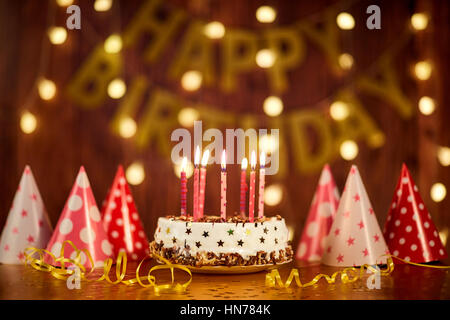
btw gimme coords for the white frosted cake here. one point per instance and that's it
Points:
(214, 242)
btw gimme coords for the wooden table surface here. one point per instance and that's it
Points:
(406, 282)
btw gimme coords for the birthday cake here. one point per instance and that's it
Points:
(212, 241)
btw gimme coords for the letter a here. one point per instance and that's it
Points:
(374, 20)
(74, 20)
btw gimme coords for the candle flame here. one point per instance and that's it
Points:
(253, 160)
(183, 164)
(244, 164)
(262, 159)
(205, 158)
(224, 160)
(197, 156)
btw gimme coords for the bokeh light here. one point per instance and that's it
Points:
(191, 80)
(135, 173)
(339, 110)
(419, 21)
(273, 106)
(46, 89)
(102, 5)
(64, 3)
(266, 14)
(423, 69)
(438, 192)
(187, 116)
(113, 44)
(214, 30)
(268, 143)
(273, 195)
(28, 122)
(349, 150)
(117, 88)
(57, 35)
(444, 156)
(127, 127)
(265, 58)
(345, 61)
(426, 105)
(345, 21)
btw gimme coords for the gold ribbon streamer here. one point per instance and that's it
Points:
(63, 273)
(421, 264)
(348, 275)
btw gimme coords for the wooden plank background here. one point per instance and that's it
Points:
(69, 136)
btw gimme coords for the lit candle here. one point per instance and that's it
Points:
(196, 182)
(201, 195)
(251, 199)
(183, 186)
(223, 187)
(262, 174)
(243, 186)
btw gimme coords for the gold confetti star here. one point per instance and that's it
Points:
(168, 230)
(248, 232)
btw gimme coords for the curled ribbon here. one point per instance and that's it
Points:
(121, 266)
(421, 264)
(348, 275)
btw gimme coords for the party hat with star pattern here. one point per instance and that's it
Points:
(409, 230)
(320, 217)
(355, 237)
(27, 224)
(121, 220)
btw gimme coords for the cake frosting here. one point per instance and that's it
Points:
(214, 242)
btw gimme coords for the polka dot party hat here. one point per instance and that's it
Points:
(80, 222)
(122, 222)
(320, 217)
(27, 223)
(409, 230)
(355, 237)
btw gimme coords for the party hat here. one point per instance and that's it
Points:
(355, 237)
(320, 217)
(409, 230)
(80, 223)
(121, 220)
(27, 224)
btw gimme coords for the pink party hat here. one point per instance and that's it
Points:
(355, 237)
(27, 224)
(320, 217)
(410, 232)
(122, 222)
(80, 222)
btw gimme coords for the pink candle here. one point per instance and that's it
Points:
(183, 186)
(251, 199)
(223, 187)
(196, 182)
(243, 186)
(262, 174)
(201, 195)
